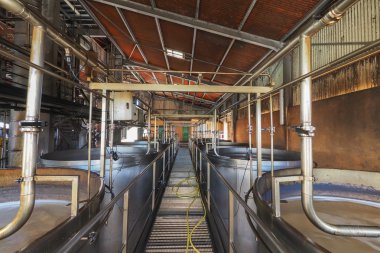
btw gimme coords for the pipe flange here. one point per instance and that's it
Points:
(331, 17)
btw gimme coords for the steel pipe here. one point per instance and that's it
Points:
(89, 145)
(111, 134)
(335, 14)
(258, 138)
(103, 136)
(307, 152)
(148, 132)
(31, 133)
(19, 9)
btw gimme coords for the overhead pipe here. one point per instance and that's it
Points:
(19, 9)
(306, 131)
(330, 18)
(30, 127)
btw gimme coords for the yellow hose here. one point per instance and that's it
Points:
(194, 194)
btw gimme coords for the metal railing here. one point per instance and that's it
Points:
(265, 234)
(167, 156)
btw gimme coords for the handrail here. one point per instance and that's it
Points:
(268, 238)
(69, 245)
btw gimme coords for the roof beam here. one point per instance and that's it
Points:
(179, 75)
(195, 23)
(178, 88)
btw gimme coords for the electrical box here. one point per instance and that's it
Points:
(124, 109)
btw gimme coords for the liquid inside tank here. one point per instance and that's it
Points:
(341, 197)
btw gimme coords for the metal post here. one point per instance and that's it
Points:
(156, 146)
(31, 134)
(164, 132)
(148, 132)
(112, 128)
(164, 167)
(103, 136)
(196, 158)
(231, 223)
(89, 145)
(200, 167)
(4, 151)
(124, 238)
(271, 135)
(258, 137)
(208, 187)
(154, 185)
(252, 176)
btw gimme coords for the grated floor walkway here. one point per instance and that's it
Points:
(169, 232)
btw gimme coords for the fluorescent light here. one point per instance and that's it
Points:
(175, 53)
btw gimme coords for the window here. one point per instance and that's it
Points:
(175, 53)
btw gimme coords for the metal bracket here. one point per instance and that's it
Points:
(305, 130)
(32, 125)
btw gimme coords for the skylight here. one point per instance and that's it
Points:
(175, 53)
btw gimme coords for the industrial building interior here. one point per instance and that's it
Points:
(189, 126)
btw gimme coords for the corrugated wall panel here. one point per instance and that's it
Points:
(360, 26)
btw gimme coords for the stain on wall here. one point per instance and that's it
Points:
(347, 131)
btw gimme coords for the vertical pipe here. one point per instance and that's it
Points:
(164, 132)
(89, 145)
(103, 136)
(124, 238)
(208, 186)
(164, 166)
(111, 131)
(282, 107)
(271, 135)
(4, 151)
(156, 146)
(31, 134)
(252, 176)
(258, 137)
(231, 223)
(148, 132)
(154, 185)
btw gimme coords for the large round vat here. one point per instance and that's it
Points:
(341, 197)
(50, 223)
(129, 155)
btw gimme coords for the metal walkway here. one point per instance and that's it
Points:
(170, 232)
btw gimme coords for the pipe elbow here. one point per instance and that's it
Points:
(23, 214)
(340, 230)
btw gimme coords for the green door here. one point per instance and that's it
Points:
(160, 132)
(185, 134)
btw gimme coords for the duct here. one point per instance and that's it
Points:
(306, 132)
(31, 127)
